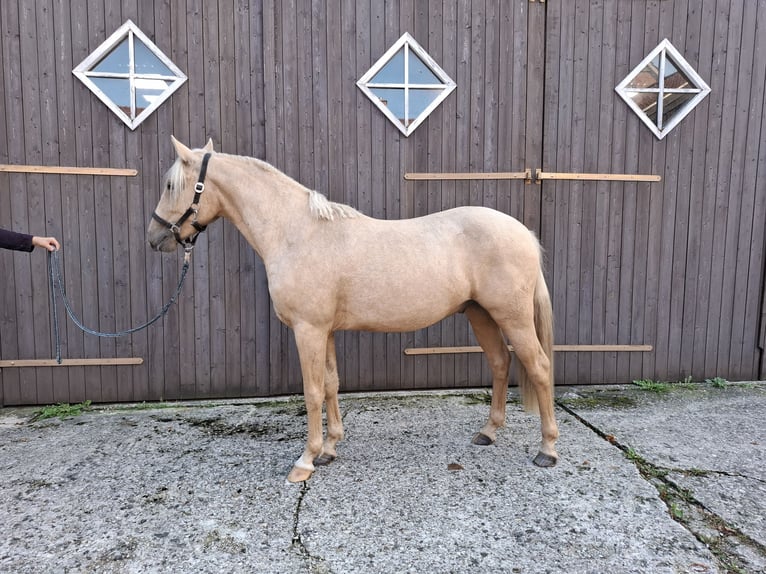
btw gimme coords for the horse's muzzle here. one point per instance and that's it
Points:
(160, 239)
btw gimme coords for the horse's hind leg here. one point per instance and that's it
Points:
(490, 338)
(529, 352)
(334, 421)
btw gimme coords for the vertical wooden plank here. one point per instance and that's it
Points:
(661, 216)
(591, 329)
(447, 19)
(692, 352)
(431, 193)
(230, 381)
(679, 154)
(262, 84)
(17, 152)
(90, 119)
(716, 38)
(610, 196)
(623, 208)
(690, 204)
(161, 345)
(67, 35)
(275, 151)
(739, 245)
(566, 280)
(754, 199)
(39, 322)
(415, 20)
(384, 31)
(550, 200)
(533, 103)
(638, 157)
(7, 295)
(459, 155)
(49, 112)
(214, 116)
(727, 203)
(100, 224)
(199, 131)
(113, 197)
(245, 36)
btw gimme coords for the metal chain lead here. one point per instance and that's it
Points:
(55, 277)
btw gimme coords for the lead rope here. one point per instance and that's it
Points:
(54, 272)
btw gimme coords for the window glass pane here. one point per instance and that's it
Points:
(392, 72)
(117, 90)
(148, 63)
(419, 72)
(673, 104)
(420, 100)
(675, 78)
(647, 102)
(115, 62)
(649, 77)
(393, 99)
(147, 91)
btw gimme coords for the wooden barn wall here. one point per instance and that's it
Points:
(677, 265)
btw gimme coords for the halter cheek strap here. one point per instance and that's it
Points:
(193, 209)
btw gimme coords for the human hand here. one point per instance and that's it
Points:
(49, 243)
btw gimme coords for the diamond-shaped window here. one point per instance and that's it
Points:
(130, 74)
(663, 89)
(406, 84)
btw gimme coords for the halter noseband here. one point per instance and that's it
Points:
(175, 228)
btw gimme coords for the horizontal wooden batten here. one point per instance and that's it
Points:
(469, 176)
(71, 362)
(64, 170)
(556, 348)
(540, 175)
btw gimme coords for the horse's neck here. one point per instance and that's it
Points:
(266, 206)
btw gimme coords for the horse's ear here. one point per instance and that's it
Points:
(183, 152)
(209, 146)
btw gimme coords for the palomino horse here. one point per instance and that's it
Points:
(331, 268)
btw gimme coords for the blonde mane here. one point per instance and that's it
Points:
(319, 206)
(323, 208)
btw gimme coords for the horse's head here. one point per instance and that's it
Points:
(182, 212)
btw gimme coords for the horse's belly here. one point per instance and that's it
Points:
(398, 310)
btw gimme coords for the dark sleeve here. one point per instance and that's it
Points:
(15, 241)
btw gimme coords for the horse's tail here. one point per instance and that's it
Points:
(544, 329)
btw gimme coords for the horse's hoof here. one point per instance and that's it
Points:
(324, 459)
(481, 439)
(545, 460)
(298, 474)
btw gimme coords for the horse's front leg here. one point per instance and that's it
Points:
(312, 349)
(334, 421)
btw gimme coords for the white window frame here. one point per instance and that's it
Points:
(408, 44)
(130, 31)
(700, 89)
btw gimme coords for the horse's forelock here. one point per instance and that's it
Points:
(174, 179)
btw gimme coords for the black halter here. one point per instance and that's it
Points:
(175, 228)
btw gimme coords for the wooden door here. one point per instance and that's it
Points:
(677, 265)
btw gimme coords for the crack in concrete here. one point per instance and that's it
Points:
(314, 564)
(684, 507)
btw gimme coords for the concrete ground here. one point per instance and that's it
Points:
(649, 481)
